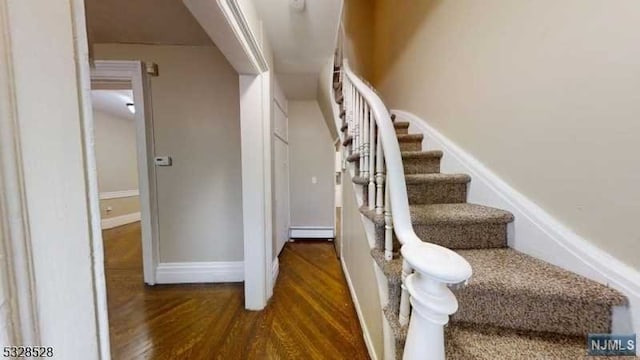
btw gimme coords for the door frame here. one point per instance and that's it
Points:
(134, 73)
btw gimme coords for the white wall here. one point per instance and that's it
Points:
(44, 82)
(311, 155)
(115, 142)
(545, 93)
(196, 122)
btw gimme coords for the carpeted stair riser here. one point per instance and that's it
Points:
(527, 312)
(468, 342)
(464, 236)
(427, 162)
(402, 127)
(378, 222)
(410, 142)
(437, 193)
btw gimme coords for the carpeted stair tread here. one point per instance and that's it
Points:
(360, 180)
(347, 141)
(512, 290)
(508, 270)
(413, 179)
(377, 219)
(468, 342)
(458, 214)
(392, 269)
(421, 154)
(353, 157)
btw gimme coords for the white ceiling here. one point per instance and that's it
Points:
(113, 102)
(165, 22)
(302, 42)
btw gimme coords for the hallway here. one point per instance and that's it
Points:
(311, 315)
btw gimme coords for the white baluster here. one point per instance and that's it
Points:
(360, 135)
(372, 161)
(365, 141)
(379, 176)
(405, 305)
(431, 299)
(388, 224)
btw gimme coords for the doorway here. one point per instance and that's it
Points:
(126, 172)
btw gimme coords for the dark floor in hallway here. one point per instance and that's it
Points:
(311, 315)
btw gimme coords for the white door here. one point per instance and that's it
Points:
(281, 193)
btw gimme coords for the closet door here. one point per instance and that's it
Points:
(281, 171)
(281, 193)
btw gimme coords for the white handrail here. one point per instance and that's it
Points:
(441, 263)
(435, 266)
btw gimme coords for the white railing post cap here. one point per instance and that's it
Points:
(437, 262)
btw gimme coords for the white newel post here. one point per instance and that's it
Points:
(431, 299)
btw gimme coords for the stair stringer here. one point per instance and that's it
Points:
(538, 233)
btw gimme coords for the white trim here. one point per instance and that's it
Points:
(241, 28)
(110, 223)
(119, 194)
(135, 72)
(538, 233)
(200, 272)
(311, 232)
(366, 335)
(275, 270)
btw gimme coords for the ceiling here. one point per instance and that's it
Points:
(302, 42)
(163, 22)
(113, 102)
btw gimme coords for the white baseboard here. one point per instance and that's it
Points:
(275, 270)
(538, 233)
(116, 221)
(311, 232)
(119, 194)
(356, 303)
(200, 272)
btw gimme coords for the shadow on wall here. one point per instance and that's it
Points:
(366, 28)
(387, 17)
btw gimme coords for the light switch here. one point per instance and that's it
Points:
(162, 160)
(314, 180)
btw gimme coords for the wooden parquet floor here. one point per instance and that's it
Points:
(311, 315)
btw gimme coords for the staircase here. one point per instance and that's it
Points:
(514, 306)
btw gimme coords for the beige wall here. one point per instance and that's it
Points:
(196, 122)
(545, 93)
(311, 154)
(115, 141)
(116, 158)
(358, 35)
(360, 267)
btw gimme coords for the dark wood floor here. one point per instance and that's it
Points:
(311, 315)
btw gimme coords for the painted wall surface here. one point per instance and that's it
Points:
(196, 122)
(115, 141)
(311, 155)
(116, 158)
(44, 81)
(360, 267)
(545, 93)
(358, 35)
(326, 98)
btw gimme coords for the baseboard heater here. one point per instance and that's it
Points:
(311, 232)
